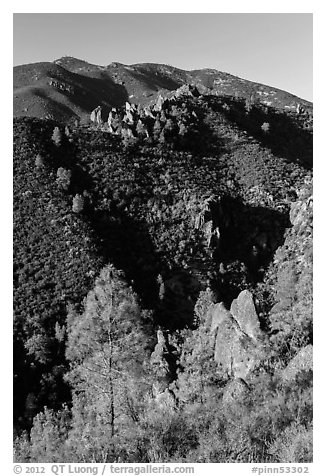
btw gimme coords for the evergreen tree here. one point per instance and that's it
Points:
(63, 178)
(56, 136)
(107, 348)
(47, 443)
(265, 127)
(157, 129)
(141, 129)
(39, 161)
(78, 203)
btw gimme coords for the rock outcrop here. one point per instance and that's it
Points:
(128, 118)
(62, 86)
(113, 121)
(146, 112)
(187, 90)
(238, 337)
(244, 312)
(235, 353)
(158, 106)
(130, 113)
(96, 115)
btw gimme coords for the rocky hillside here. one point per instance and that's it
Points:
(69, 87)
(163, 260)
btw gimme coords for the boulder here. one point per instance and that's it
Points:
(236, 391)
(244, 312)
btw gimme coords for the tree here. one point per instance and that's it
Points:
(141, 129)
(182, 129)
(47, 443)
(265, 127)
(39, 161)
(78, 203)
(56, 136)
(63, 178)
(157, 129)
(107, 347)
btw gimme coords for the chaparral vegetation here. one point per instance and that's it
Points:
(162, 268)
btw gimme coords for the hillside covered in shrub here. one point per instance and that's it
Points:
(163, 283)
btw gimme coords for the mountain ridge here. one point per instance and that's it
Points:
(68, 87)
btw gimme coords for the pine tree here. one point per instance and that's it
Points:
(78, 203)
(157, 129)
(47, 438)
(141, 129)
(107, 347)
(39, 161)
(265, 127)
(63, 178)
(56, 136)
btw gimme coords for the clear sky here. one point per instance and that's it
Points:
(270, 48)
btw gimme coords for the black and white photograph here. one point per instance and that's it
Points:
(162, 239)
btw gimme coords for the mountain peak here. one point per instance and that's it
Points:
(70, 87)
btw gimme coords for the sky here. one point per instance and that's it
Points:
(269, 48)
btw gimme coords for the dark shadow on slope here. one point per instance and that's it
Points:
(57, 109)
(83, 92)
(117, 238)
(120, 239)
(286, 137)
(155, 82)
(126, 244)
(179, 291)
(249, 237)
(89, 92)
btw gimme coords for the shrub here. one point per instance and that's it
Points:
(293, 445)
